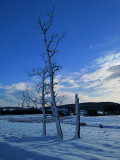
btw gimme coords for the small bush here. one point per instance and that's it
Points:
(83, 124)
(101, 126)
(91, 112)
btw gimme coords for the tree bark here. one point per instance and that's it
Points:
(53, 104)
(43, 107)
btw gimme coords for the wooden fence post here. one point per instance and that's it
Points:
(77, 134)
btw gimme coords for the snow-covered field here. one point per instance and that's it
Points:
(21, 139)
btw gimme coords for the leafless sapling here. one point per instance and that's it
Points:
(42, 73)
(24, 99)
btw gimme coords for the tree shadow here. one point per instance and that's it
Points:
(9, 152)
(31, 139)
(41, 139)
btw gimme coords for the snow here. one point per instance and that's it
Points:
(24, 141)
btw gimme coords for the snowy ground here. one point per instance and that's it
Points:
(21, 139)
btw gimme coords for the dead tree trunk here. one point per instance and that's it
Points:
(43, 105)
(51, 66)
(53, 103)
(77, 134)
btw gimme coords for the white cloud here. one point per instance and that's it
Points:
(101, 84)
(9, 94)
(6, 103)
(103, 64)
(95, 86)
(15, 87)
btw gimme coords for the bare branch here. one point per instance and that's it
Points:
(52, 39)
(51, 18)
(60, 100)
(40, 24)
(55, 49)
(47, 104)
(30, 98)
(55, 67)
(38, 72)
(45, 27)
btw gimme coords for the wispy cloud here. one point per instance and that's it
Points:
(18, 86)
(100, 84)
(4, 103)
(109, 42)
(9, 94)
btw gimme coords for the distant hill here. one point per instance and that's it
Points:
(99, 106)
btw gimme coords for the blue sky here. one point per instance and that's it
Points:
(89, 52)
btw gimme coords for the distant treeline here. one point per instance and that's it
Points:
(19, 111)
(31, 110)
(108, 108)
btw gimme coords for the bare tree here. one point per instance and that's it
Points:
(53, 67)
(42, 73)
(31, 97)
(24, 99)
